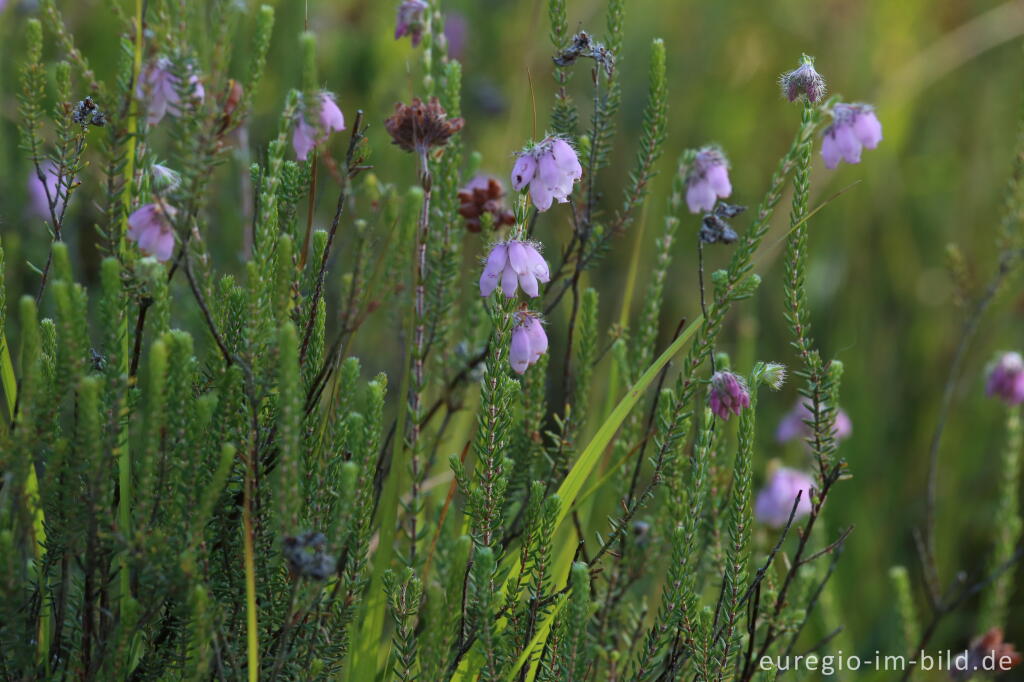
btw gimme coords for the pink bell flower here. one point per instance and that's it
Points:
(150, 228)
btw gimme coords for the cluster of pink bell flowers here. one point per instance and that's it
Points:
(549, 171)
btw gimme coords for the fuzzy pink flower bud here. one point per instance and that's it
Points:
(803, 81)
(729, 394)
(1006, 379)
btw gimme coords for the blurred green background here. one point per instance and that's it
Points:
(945, 76)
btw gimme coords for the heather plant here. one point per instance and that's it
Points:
(200, 480)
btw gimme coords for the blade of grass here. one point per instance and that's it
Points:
(584, 466)
(541, 638)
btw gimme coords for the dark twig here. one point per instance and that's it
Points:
(352, 168)
(140, 323)
(1007, 263)
(943, 609)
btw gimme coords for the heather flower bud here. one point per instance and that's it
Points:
(529, 341)
(775, 501)
(550, 169)
(306, 136)
(854, 126)
(803, 81)
(746, 287)
(707, 180)
(1006, 379)
(409, 21)
(772, 374)
(150, 228)
(482, 196)
(795, 424)
(164, 178)
(729, 395)
(514, 264)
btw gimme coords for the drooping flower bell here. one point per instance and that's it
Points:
(529, 341)
(514, 264)
(456, 32)
(409, 21)
(418, 126)
(150, 227)
(775, 500)
(550, 169)
(707, 180)
(794, 424)
(729, 395)
(483, 195)
(803, 81)
(162, 91)
(307, 135)
(41, 192)
(854, 126)
(1006, 379)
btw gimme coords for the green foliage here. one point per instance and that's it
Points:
(199, 479)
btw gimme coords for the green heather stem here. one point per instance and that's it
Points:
(738, 549)
(677, 609)
(734, 284)
(909, 622)
(418, 352)
(1007, 524)
(124, 457)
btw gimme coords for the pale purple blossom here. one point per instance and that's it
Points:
(456, 30)
(707, 180)
(729, 394)
(550, 168)
(160, 88)
(794, 424)
(149, 227)
(529, 341)
(514, 264)
(37, 191)
(1006, 379)
(410, 20)
(854, 126)
(775, 501)
(307, 135)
